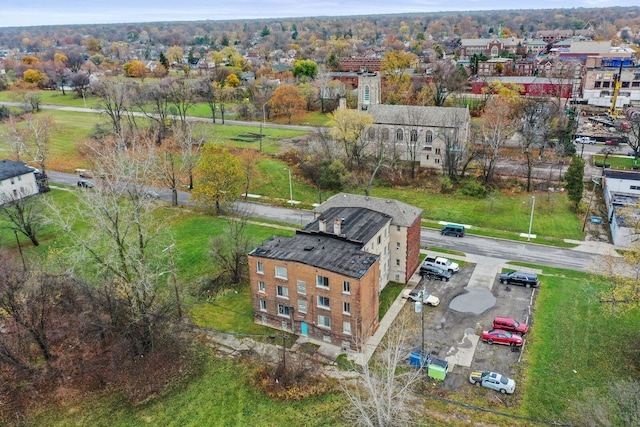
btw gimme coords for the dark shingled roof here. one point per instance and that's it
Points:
(10, 169)
(401, 213)
(618, 174)
(327, 253)
(413, 115)
(357, 224)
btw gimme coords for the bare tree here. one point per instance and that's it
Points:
(380, 394)
(30, 139)
(230, 248)
(154, 104)
(175, 160)
(27, 299)
(122, 246)
(414, 120)
(534, 127)
(497, 125)
(23, 214)
(448, 78)
(181, 94)
(378, 157)
(115, 99)
(206, 91)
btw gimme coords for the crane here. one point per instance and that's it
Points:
(613, 112)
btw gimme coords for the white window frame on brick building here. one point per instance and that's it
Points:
(302, 306)
(322, 281)
(346, 308)
(346, 287)
(324, 321)
(281, 272)
(282, 291)
(302, 287)
(323, 302)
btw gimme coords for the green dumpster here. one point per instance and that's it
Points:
(437, 368)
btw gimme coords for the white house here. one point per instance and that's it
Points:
(17, 181)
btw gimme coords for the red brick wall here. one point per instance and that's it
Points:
(363, 299)
(413, 248)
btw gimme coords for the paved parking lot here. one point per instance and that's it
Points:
(469, 302)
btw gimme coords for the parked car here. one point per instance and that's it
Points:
(452, 230)
(85, 183)
(520, 278)
(493, 381)
(417, 295)
(500, 336)
(151, 195)
(585, 140)
(509, 324)
(611, 142)
(432, 271)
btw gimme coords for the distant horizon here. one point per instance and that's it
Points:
(37, 13)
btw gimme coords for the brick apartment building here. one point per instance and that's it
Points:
(324, 282)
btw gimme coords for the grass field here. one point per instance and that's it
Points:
(510, 213)
(573, 346)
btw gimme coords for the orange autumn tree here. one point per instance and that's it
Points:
(286, 101)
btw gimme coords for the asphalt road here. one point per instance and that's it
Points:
(506, 250)
(190, 118)
(509, 250)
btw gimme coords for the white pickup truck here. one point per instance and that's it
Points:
(443, 263)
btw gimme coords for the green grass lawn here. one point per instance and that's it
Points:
(616, 161)
(512, 213)
(572, 346)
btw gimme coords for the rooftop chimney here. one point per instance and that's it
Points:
(337, 226)
(322, 225)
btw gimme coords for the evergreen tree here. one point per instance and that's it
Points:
(574, 176)
(164, 61)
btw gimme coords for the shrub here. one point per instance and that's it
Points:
(473, 188)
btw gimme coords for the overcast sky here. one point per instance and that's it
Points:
(15, 13)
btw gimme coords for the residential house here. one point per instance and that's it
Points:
(17, 181)
(324, 282)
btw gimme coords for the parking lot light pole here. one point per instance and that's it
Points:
(424, 288)
(290, 187)
(533, 204)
